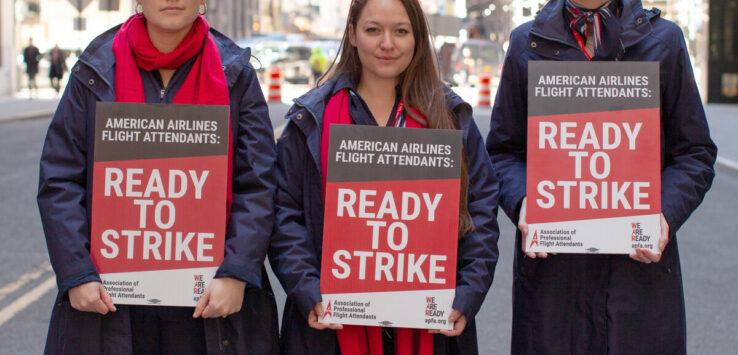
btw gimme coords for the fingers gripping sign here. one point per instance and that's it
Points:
(646, 256)
(91, 297)
(458, 320)
(223, 297)
(316, 314)
(523, 226)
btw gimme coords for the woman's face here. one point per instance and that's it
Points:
(170, 16)
(384, 40)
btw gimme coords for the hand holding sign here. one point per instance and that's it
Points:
(458, 320)
(390, 233)
(223, 297)
(317, 313)
(646, 256)
(523, 226)
(91, 297)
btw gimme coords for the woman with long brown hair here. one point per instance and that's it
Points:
(386, 75)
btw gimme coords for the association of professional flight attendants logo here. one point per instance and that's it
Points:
(327, 313)
(535, 239)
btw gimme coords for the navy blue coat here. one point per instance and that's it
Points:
(296, 248)
(64, 198)
(597, 304)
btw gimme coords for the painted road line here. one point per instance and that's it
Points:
(26, 300)
(24, 279)
(727, 163)
(278, 131)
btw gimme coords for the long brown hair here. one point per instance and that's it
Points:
(420, 85)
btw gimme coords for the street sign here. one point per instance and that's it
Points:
(159, 200)
(594, 181)
(391, 226)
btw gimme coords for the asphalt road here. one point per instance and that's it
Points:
(707, 243)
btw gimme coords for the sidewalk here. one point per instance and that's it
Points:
(20, 107)
(723, 120)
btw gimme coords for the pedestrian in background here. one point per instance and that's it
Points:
(57, 68)
(31, 57)
(603, 304)
(318, 63)
(165, 53)
(386, 64)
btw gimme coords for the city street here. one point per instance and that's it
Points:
(707, 244)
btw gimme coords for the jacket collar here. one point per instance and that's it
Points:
(315, 100)
(550, 23)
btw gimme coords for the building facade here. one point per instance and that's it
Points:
(235, 18)
(723, 52)
(70, 24)
(7, 49)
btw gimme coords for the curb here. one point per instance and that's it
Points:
(727, 164)
(28, 115)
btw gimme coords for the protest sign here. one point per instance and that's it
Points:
(391, 226)
(159, 200)
(593, 169)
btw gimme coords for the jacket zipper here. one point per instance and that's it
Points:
(161, 94)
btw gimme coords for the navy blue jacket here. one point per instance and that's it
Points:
(572, 304)
(296, 248)
(65, 191)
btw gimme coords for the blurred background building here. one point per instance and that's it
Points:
(7, 48)
(710, 29)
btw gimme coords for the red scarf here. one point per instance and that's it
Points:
(205, 83)
(354, 339)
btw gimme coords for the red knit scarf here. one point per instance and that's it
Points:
(361, 340)
(205, 83)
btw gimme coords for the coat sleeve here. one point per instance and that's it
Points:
(506, 141)
(292, 253)
(252, 209)
(688, 152)
(62, 189)
(478, 252)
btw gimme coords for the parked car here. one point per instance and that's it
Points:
(474, 57)
(264, 54)
(289, 55)
(295, 64)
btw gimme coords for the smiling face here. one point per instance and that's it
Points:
(170, 16)
(383, 37)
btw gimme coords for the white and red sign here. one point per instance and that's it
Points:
(159, 200)
(391, 226)
(593, 170)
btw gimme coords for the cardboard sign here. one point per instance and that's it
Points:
(391, 226)
(593, 171)
(159, 200)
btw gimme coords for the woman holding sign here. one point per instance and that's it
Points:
(386, 76)
(165, 53)
(600, 304)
